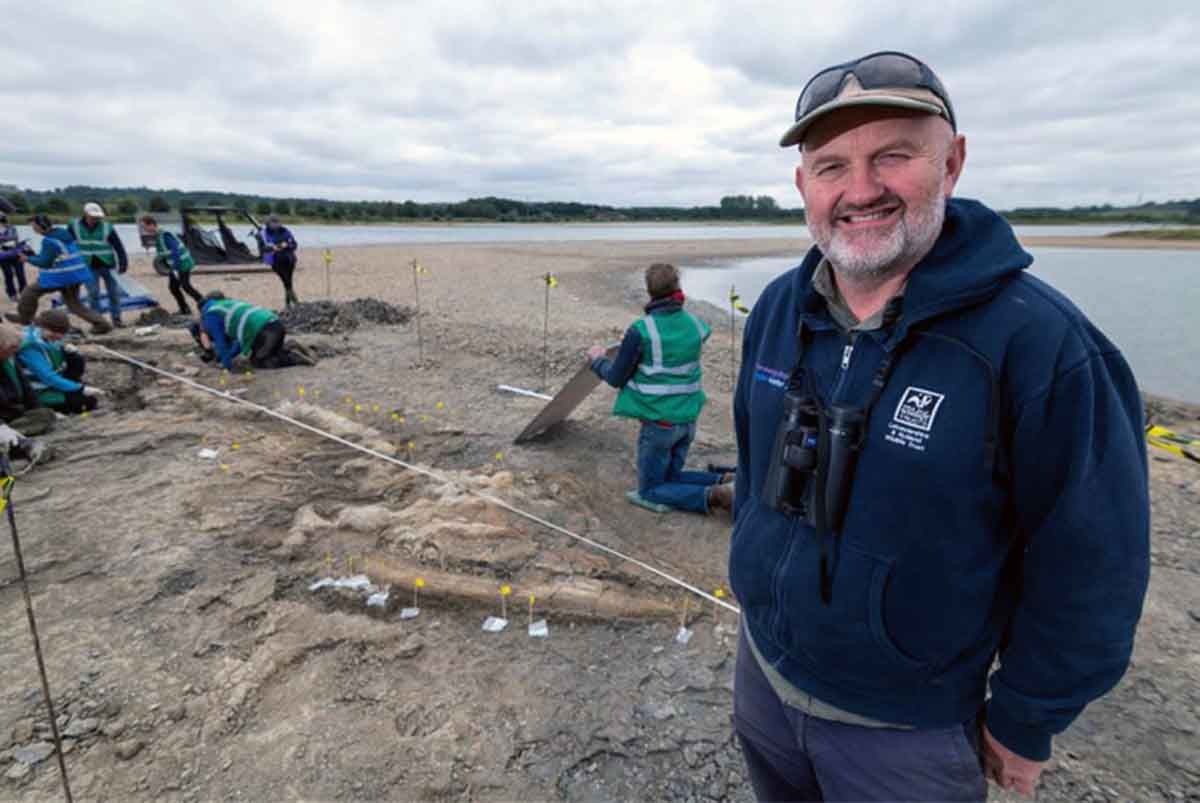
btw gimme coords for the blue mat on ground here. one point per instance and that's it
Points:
(133, 295)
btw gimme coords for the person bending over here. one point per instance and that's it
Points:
(279, 251)
(229, 328)
(61, 269)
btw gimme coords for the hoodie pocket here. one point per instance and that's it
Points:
(845, 642)
(879, 580)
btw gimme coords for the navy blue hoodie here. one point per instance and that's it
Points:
(1000, 503)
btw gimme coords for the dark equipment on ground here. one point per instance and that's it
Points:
(218, 251)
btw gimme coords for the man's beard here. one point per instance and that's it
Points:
(869, 258)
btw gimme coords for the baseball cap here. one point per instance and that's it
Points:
(55, 320)
(92, 209)
(887, 78)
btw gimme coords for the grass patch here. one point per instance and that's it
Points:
(1190, 233)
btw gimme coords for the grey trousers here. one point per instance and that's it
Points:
(793, 756)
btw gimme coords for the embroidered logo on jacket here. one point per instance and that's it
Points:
(914, 417)
(918, 407)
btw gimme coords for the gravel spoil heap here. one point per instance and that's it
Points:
(329, 317)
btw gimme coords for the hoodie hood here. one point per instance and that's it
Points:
(974, 256)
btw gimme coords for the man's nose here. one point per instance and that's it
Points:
(865, 186)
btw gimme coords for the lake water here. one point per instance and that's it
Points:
(318, 236)
(1147, 302)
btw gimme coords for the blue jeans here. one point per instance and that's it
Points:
(661, 453)
(110, 284)
(791, 755)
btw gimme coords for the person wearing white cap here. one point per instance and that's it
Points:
(103, 251)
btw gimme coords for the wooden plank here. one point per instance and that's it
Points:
(565, 401)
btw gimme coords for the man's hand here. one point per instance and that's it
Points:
(596, 352)
(1007, 769)
(93, 391)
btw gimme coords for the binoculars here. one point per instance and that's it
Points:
(815, 448)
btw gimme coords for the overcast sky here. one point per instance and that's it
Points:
(624, 103)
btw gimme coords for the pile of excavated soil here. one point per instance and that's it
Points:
(330, 317)
(160, 316)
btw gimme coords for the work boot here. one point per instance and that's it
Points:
(720, 498)
(302, 353)
(101, 328)
(14, 318)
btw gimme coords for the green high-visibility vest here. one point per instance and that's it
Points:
(186, 263)
(243, 321)
(94, 242)
(666, 385)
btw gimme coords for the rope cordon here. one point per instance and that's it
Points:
(493, 500)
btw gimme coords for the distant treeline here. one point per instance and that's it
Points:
(123, 203)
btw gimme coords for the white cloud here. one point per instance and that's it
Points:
(613, 102)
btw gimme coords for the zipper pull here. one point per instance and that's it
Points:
(846, 352)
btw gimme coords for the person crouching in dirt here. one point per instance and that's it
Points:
(229, 328)
(20, 409)
(179, 261)
(279, 251)
(61, 268)
(658, 373)
(56, 370)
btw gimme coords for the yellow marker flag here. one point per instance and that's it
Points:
(300, 390)
(420, 583)
(499, 456)
(327, 255)
(505, 590)
(551, 280)
(440, 406)
(235, 445)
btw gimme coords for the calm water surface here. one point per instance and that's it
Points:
(1147, 302)
(318, 236)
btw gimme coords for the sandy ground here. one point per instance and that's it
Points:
(192, 662)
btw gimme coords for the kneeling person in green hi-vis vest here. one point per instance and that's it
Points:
(657, 370)
(229, 328)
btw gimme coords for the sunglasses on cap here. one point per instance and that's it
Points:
(888, 69)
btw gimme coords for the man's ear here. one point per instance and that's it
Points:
(800, 178)
(956, 157)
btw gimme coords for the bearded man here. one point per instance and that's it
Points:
(954, 472)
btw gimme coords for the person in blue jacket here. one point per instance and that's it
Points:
(61, 268)
(279, 252)
(10, 259)
(940, 465)
(55, 371)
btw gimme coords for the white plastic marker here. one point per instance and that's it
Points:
(684, 635)
(425, 472)
(380, 598)
(494, 624)
(415, 610)
(538, 629)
